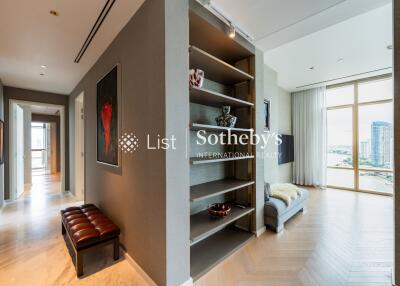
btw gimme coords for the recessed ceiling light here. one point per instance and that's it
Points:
(54, 13)
(43, 66)
(42, 74)
(390, 47)
(311, 68)
(340, 60)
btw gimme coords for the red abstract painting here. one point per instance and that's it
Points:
(107, 118)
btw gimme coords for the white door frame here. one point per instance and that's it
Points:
(15, 149)
(79, 146)
(62, 141)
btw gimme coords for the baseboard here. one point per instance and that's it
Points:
(141, 272)
(188, 282)
(260, 231)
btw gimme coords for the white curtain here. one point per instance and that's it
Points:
(309, 130)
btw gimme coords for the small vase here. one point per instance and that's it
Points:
(196, 78)
(226, 119)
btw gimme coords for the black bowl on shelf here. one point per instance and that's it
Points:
(219, 210)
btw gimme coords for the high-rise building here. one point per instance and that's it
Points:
(381, 136)
(364, 150)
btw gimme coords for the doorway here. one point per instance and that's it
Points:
(36, 149)
(79, 147)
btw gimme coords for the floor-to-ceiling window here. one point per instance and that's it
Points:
(360, 135)
(38, 144)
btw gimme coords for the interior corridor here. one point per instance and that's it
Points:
(32, 249)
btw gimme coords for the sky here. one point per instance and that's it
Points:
(340, 120)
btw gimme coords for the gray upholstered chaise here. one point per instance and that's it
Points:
(276, 212)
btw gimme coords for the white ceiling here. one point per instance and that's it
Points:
(360, 41)
(273, 23)
(296, 35)
(42, 108)
(31, 37)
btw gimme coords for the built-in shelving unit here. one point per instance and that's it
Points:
(215, 188)
(216, 99)
(209, 252)
(202, 225)
(207, 127)
(216, 69)
(229, 71)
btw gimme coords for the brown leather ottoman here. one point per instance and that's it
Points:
(88, 228)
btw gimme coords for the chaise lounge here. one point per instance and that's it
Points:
(277, 211)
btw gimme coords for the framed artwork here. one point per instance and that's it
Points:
(108, 119)
(1, 142)
(267, 115)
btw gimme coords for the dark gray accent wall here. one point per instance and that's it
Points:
(2, 165)
(148, 195)
(46, 118)
(39, 97)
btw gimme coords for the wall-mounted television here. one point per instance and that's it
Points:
(286, 149)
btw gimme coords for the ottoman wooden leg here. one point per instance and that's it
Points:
(116, 248)
(79, 264)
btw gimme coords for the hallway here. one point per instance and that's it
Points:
(33, 251)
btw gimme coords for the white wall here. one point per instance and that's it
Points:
(27, 144)
(281, 123)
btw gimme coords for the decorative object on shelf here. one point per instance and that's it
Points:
(267, 115)
(226, 119)
(1, 142)
(107, 119)
(196, 78)
(219, 210)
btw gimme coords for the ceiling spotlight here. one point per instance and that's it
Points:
(311, 68)
(54, 13)
(340, 60)
(43, 66)
(232, 31)
(42, 74)
(390, 47)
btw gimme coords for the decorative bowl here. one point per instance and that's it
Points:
(219, 210)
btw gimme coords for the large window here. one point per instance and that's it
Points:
(360, 135)
(38, 145)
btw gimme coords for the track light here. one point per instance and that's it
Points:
(232, 31)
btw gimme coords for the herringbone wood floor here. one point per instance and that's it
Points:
(344, 238)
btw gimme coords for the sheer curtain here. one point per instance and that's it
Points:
(309, 130)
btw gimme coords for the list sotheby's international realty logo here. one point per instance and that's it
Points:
(128, 142)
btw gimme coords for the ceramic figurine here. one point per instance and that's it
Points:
(226, 119)
(196, 78)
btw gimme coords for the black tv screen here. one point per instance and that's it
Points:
(286, 149)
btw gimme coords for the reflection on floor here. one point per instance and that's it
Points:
(345, 238)
(42, 185)
(33, 251)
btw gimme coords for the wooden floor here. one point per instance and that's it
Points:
(33, 251)
(344, 239)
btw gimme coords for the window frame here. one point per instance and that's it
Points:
(355, 140)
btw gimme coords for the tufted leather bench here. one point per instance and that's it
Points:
(88, 228)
